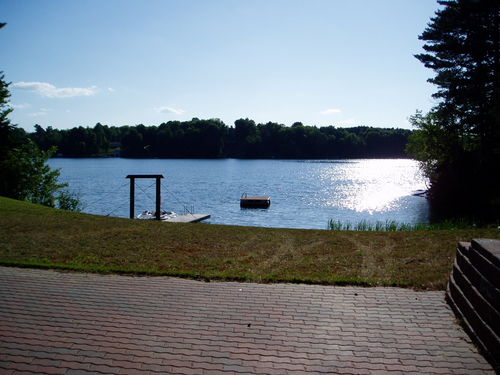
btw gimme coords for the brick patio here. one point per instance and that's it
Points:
(72, 323)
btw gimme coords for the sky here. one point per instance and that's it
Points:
(128, 62)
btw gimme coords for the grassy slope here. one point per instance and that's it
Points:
(39, 236)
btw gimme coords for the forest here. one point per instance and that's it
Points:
(212, 138)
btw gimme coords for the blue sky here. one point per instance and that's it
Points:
(332, 62)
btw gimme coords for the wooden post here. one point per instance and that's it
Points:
(158, 192)
(158, 198)
(132, 197)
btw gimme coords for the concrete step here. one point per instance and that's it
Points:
(478, 330)
(485, 262)
(486, 311)
(483, 285)
(474, 294)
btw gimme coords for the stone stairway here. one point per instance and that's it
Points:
(474, 294)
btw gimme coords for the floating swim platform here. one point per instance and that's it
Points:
(254, 202)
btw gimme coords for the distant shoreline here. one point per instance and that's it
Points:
(200, 139)
(319, 160)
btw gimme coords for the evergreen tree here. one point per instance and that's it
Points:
(23, 169)
(5, 127)
(458, 143)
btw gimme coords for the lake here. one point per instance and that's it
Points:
(304, 193)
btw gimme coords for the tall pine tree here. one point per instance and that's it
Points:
(459, 141)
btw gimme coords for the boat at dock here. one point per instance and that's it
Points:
(254, 202)
(151, 215)
(172, 217)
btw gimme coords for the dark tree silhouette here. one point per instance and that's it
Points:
(25, 174)
(458, 142)
(213, 139)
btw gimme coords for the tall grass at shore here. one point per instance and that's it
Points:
(395, 226)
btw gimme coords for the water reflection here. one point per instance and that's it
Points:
(371, 185)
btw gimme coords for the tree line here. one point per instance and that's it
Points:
(211, 138)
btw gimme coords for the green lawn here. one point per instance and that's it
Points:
(32, 235)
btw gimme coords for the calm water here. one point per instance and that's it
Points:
(304, 194)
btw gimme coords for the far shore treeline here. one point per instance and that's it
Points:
(213, 139)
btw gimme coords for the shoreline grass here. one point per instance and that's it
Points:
(395, 226)
(37, 236)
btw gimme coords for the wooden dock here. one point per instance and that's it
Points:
(159, 214)
(189, 218)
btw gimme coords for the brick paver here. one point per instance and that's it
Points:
(76, 324)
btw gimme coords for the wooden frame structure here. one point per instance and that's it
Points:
(158, 177)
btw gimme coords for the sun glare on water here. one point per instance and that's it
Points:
(372, 186)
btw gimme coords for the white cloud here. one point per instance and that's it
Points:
(110, 89)
(20, 106)
(171, 110)
(50, 91)
(330, 111)
(37, 114)
(41, 112)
